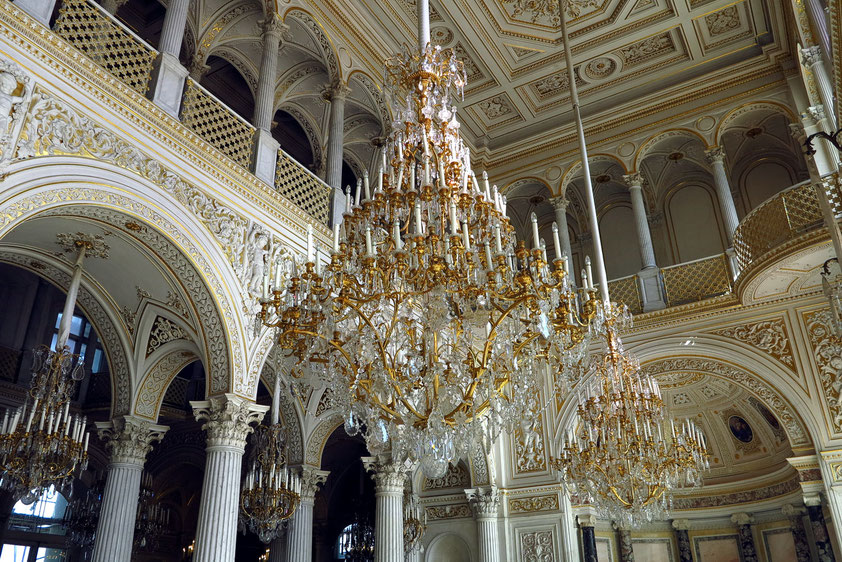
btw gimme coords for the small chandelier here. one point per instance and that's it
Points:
(271, 491)
(82, 516)
(623, 457)
(413, 526)
(432, 326)
(361, 542)
(152, 517)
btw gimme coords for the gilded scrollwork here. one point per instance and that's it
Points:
(537, 546)
(533, 504)
(769, 336)
(826, 351)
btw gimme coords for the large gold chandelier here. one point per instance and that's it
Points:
(433, 327)
(624, 456)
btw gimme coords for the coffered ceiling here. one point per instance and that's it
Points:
(624, 51)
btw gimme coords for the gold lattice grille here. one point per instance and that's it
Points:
(626, 291)
(302, 188)
(106, 42)
(779, 219)
(218, 125)
(696, 280)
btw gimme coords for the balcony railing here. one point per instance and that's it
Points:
(213, 121)
(627, 291)
(302, 187)
(107, 42)
(783, 217)
(696, 280)
(116, 48)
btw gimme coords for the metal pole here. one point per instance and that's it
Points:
(423, 24)
(599, 260)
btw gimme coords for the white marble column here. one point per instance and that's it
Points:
(812, 58)
(644, 237)
(228, 420)
(300, 534)
(560, 206)
(278, 548)
(569, 532)
(265, 146)
(716, 158)
(336, 94)
(389, 480)
(129, 439)
(485, 503)
(168, 75)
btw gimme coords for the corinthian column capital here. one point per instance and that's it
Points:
(634, 179)
(715, 154)
(311, 479)
(129, 438)
(485, 501)
(228, 419)
(560, 203)
(811, 55)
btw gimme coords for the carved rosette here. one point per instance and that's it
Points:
(130, 439)
(228, 419)
(485, 501)
(311, 479)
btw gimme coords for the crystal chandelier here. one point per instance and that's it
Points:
(271, 491)
(434, 329)
(82, 516)
(361, 542)
(41, 443)
(152, 517)
(623, 457)
(413, 526)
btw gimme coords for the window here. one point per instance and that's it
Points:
(343, 543)
(14, 553)
(80, 333)
(43, 516)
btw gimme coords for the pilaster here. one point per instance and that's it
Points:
(682, 539)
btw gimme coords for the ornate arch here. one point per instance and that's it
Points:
(115, 343)
(650, 143)
(153, 386)
(374, 91)
(240, 62)
(317, 440)
(83, 187)
(322, 38)
(312, 130)
(512, 186)
(576, 168)
(731, 116)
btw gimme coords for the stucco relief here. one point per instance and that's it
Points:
(537, 546)
(530, 452)
(154, 384)
(14, 89)
(769, 336)
(164, 331)
(826, 351)
(455, 477)
(533, 504)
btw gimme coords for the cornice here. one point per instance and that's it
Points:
(53, 52)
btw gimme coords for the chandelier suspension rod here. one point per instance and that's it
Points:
(70, 301)
(599, 261)
(276, 399)
(423, 24)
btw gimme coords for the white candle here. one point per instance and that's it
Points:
(585, 278)
(359, 191)
(475, 182)
(266, 285)
(498, 246)
(556, 242)
(535, 238)
(442, 182)
(565, 265)
(396, 235)
(411, 186)
(543, 250)
(400, 178)
(278, 277)
(503, 204)
(365, 184)
(369, 249)
(417, 218)
(87, 436)
(495, 197)
(309, 242)
(348, 200)
(318, 261)
(454, 224)
(466, 237)
(426, 168)
(335, 239)
(379, 187)
(485, 187)
(590, 273)
(488, 256)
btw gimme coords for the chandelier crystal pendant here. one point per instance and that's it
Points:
(82, 516)
(621, 456)
(152, 517)
(271, 491)
(434, 329)
(624, 455)
(42, 444)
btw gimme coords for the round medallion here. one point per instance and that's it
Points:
(600, 68)
(740, 429)
(626, 149)
(553, 173)
(705, 123)
(441, 36)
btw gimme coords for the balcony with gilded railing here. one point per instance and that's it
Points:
(118, 50)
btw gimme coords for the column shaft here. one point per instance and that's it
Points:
(812, 58)
(560, 206)
(115, 529)
(644, 237)
(817, 522)
(716, 157)
(278, 549)
(685, 552)
(626, 552)
(588, 544)
(173, 31)
(300, 534)
(335, 138)
(264, 103)
(485, 503)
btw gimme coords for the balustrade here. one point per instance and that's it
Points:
(302, 187)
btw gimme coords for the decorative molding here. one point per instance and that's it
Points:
(826, 352)
(450, 511)
(769, 336)
(537, 546)
(455, 477)
(154, 385)
(164, 331)
(533, 504)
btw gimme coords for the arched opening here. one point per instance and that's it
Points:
(224, 81)
(293, 139)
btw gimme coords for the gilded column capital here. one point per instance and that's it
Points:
(311, 479)
(389, 477)
(228, 419)
(634, 180)
(715, 155)
(560, 203)
(130, 438)
(485, 501)
(681, 524)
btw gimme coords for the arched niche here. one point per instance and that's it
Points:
(449, 547)
(694, 223)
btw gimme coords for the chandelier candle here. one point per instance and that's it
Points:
(431, 342)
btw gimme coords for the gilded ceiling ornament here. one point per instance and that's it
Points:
(164, 331)
(723, 21)
(769, 336)
(533, 504)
